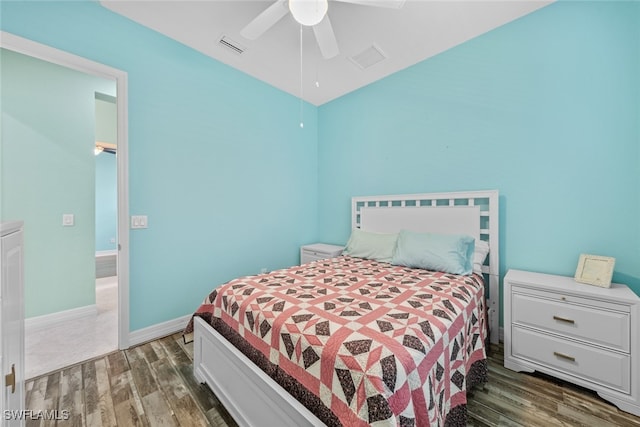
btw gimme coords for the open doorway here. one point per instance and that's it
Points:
(56, 223)
(106, 214)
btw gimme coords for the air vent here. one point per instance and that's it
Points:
(232, 45)
(368, 57)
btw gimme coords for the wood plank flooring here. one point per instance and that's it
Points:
(152, 385)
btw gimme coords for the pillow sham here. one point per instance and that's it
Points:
(450, 253)
(369, 245)
(479, 255)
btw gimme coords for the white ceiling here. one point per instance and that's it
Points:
(417, 31)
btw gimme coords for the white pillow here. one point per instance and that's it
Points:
(479, 255)
(369, 245)
(450, 253)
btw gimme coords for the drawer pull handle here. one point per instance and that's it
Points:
(564, 356)
(562, 319)
(10, 379)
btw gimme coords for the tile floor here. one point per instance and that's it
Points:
(67, 343)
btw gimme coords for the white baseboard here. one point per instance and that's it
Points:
(36, 323)
(159, 330)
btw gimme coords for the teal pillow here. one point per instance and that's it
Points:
(450, 253)
(369, 245)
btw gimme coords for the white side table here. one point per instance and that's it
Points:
(583, 334)
(318, 251)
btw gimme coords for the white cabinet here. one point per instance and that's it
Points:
(580, 333)
(12, 323)
(318, 251)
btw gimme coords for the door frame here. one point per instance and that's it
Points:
(56, 56)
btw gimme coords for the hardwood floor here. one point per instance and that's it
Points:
(519, 399)
(148, 385)
(152, 385)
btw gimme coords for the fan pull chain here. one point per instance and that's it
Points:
(301, 102)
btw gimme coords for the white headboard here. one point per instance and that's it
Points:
(444, 219)
(474, 213)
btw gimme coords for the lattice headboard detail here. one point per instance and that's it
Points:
(473, 212)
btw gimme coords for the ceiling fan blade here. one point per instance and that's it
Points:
(391, 4)
(326, 38)
(265, 20)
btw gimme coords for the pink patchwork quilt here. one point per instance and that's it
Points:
(360, 342)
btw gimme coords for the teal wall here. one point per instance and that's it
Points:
(217, 159)
(106, 176)
(48, 170)
(106, 202)
(106, 118)
(545, 109)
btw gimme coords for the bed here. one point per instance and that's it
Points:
(358, 340)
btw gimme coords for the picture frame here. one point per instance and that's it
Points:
(595, 270)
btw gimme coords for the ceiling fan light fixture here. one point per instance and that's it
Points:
(308, 12)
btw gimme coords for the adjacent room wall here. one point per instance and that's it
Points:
(106, 176)
(545, 109)
(217, 159)
(48, 169)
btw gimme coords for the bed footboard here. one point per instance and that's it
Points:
(251, 396)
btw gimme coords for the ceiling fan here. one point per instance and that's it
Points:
(311, 13)
(104, 147)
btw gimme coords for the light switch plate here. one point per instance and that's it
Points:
(139, 221)
(68, 220)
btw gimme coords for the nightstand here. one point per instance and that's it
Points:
(580, 333)
(318, 251)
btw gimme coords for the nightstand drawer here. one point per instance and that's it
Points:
(593, 364)
(308, 256)
(597, 326)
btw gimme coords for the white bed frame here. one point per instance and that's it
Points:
(252, 397)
